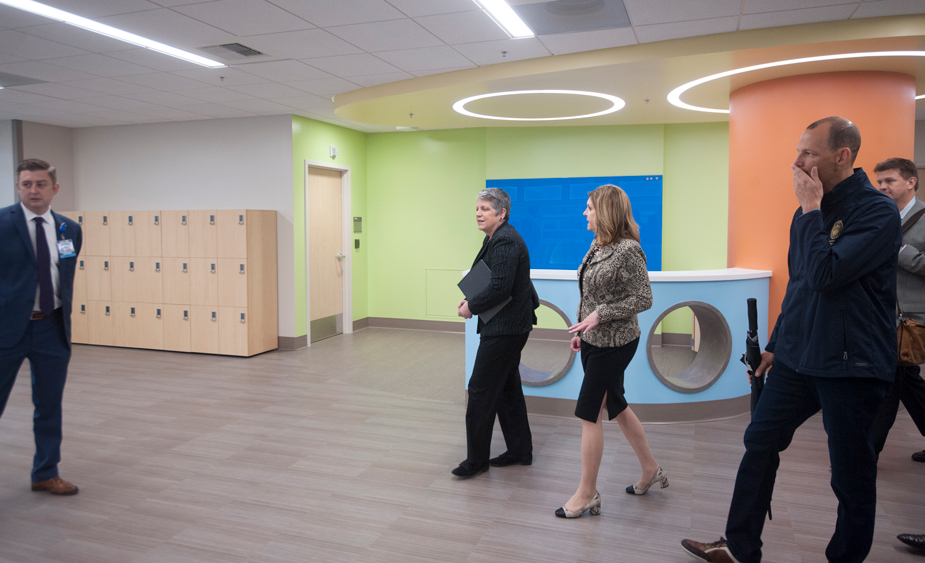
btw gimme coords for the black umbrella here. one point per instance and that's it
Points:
(752, 356)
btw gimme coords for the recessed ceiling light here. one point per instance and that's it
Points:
(109, 31)
(674, 97)
(505, 17)
(460, 106)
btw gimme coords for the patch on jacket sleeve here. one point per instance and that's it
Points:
(837, 228)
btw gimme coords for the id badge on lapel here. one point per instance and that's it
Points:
(65, 246)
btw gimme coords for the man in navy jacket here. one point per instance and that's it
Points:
(38, 252)
(833, 347)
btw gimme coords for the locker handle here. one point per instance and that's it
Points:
(211, 219)
(213, 317)
(83, 309)
(213, 268)
(182, 219)
(81, 264)
(106, 264)
(185, 315)
(80, 219)
(105, 220)
(130, 221)
(184, 267)
(131, 266)
(157, 220)
(242, 317)
(133, 311)
(241, 271)
(157, 266)
(240, 219)
(107, 309)
(158, 313)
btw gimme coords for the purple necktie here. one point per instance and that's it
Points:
(43, 263)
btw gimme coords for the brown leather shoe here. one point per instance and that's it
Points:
(56, 486)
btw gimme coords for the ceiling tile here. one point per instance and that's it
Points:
(15, 96)
(216, 110)
(386, 36)
(116, 102)
(429, 58)
(326, 88)
(99, 8)
(13, 18)
(267, 90)
(302, 44)
(216, 94)
(57, 90)
(169, 99)
(121, 115)
(564, 43)
(171, 28)
(437, 71)
(665, 31)
(4, 59)
(245, 17)
(760, 6)
(220, 76)
(77, 37)
(352, 65)
(99, 65)
(325, 13)
(171, 114)
(163, 81)
(465, 27)
(69, 105)
(109, 86)
(283, 71)
(44, 71)
(889, 8)
(153, 60)
(174, 3)
(417, 8)
(307, 102)
(30, 47)
(259, 106)
(647, 12)
(376, 79)
(795, 17)
(492, 52)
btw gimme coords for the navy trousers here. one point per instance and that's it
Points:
(45, 345)
(495, 388)
(849, 406)
(909, 388)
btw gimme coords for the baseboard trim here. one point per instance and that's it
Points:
(654, 413)
(289, 343)
(412, 324)
(361, 324)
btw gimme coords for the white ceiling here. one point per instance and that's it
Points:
(316, 49)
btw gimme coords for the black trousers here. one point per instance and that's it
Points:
(495, 389)
(909, 388)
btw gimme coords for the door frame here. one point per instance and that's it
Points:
(346, 236)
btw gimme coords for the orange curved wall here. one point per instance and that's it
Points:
(766, 121)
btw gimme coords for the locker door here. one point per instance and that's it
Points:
(175, 234)
(125, 278)
(177, 324)
(122, 233)
(203, 281)
(150, 279)
(176, 273)
(203, 234)
(232, 233)
(80, 280)
(99, 323)
(99, 279)
(232, 331)
(148, 228)
(79, 322)
(96, 226)
(204, 329)
(124, 326)
(232, 282)
(150, 319)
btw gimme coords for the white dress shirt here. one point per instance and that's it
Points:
(52, 238)
(905, 210)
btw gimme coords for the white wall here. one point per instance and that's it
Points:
(55, 146)
(215, 164)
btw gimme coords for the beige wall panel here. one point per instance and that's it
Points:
(204, 329)
(203, 281)
(148, 229)
(125, 278)
(325, 243)
(150, 284)
(175, 234)
(80, 280)
(232, 282)
(176, 273)
(99, 323)
(232, 233)
(232, 331)
(122, 233)
(177, 323)
(99, 278)
(203, 234)
(79, 322)
(96, 226)
(263, 308)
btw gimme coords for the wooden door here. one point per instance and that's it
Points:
(232, 233)
(122, 233)
(150, 284)
(176, 283)
(232, 282)
(326, 274)
(175, 234)
(124, 327)
(125, 275)
(99, 323)
(203, 281)
(79, 322)
(177, 328)
(96, 226)
(150, 320)
(204, 329)
(232, 331)
(148, 229)
(99, 279)
(203, 235)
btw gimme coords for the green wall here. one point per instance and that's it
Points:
(310, 141)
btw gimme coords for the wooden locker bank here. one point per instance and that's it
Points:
(187, 281)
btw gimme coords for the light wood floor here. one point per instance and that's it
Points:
(342, 452)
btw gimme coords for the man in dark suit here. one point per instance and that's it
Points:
(38, 252)
(898, 178)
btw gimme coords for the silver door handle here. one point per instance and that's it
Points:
(341, 256)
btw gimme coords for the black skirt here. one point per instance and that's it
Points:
(604, 369)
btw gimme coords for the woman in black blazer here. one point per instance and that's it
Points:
(495, 387)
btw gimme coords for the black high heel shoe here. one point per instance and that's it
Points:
(660, 475)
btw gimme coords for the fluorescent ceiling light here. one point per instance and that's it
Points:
(618, 104)
(505, 17)
(674, 97)
(109, 31)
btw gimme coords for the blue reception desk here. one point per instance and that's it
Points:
(720, 293)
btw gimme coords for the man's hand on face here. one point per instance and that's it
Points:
(808, 188)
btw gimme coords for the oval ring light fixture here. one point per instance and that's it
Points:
(618, 104)
(674, 97)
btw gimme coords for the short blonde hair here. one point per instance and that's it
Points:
(613, 215)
